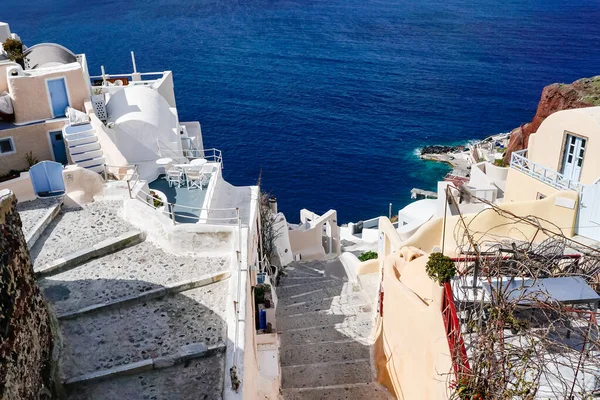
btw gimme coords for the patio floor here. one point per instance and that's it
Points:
(182, 197)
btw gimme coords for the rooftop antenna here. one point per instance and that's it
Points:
(103, 75)
(133, 62)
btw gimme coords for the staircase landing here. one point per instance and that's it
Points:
(325, 325)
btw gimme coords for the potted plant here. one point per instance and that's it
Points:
(158, 200)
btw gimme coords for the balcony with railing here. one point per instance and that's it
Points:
(520, 162)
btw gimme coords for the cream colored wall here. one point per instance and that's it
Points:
(411, 350)
(112, 154)
(21, 187)
(546, 145)
(522, 187)
(30, 94)
(81, 185)
(32, 138)
(490, 225)
(4, 77)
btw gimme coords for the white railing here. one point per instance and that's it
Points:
(131, 77)
(520, 162)
(229, 216)
(211, 155)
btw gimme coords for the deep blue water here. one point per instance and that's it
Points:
(330, 98)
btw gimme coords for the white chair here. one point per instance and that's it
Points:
(174, 176)
(194, 178)
(206, 172)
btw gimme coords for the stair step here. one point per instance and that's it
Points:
(80, 135)
(97, 168)
(323, 318)
(311, 292)
(80, 141)
(327, 333)
(311, 375)
(88, 155)
(83, 148)
(358, 391)
(291, 289)
(323, 352)
(334, 304)
(108, 246)
(310, 269)
(91, 163)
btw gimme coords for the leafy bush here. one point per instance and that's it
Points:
(368, 255)
(440, 268)
(14, 50)
(500, 163)
(31, 160)
(259, 293)
(156, 200)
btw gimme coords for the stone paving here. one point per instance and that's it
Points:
(75, 229)
(32, 212)
(132, 270)
(137, 332)
(325, 328)
(200, 379)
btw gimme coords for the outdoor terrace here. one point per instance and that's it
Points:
(520, 162)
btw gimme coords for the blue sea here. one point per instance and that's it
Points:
(331, 98)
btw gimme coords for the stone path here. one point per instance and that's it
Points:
(31, 212)
(118, 342)
(325, 325)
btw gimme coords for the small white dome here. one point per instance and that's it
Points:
(142, 121)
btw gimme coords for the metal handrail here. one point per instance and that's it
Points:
(173, 214)
(120, 75)
(520, 162)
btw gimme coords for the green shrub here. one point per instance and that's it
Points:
(14, 50)
(440, 268)
(500, 163)
(156, 200)
(368, 255)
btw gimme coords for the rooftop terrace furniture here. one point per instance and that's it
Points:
(174, 175)
(194, 178)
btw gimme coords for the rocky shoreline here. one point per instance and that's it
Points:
(460, 158)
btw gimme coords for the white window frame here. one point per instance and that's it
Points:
(54, 78)
(12, 141)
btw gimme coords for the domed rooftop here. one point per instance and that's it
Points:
(142, 121)
(48, 55)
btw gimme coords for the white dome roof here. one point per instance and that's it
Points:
(142, 119)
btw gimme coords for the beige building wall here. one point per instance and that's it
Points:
(411, 350)
(546, 146)
(30, 93)
(557, 213)
(4, 77)
(27, 138)
(522, 187)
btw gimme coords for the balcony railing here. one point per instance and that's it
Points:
(519, 161)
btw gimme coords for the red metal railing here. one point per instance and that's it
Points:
(458, 352)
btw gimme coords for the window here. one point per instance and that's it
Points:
(7, 146)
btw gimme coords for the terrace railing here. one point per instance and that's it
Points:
(213, 216)
(460, 361)
(520, 162)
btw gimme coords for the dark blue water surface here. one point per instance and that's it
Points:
(330, 98)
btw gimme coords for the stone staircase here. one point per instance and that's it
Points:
(325, 325)
(84, 148)
(136, 322)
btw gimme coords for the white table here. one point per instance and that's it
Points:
(164, 161)
(198, 162)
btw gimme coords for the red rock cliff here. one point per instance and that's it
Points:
(558, 96)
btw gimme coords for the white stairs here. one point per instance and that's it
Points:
(83, 147)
